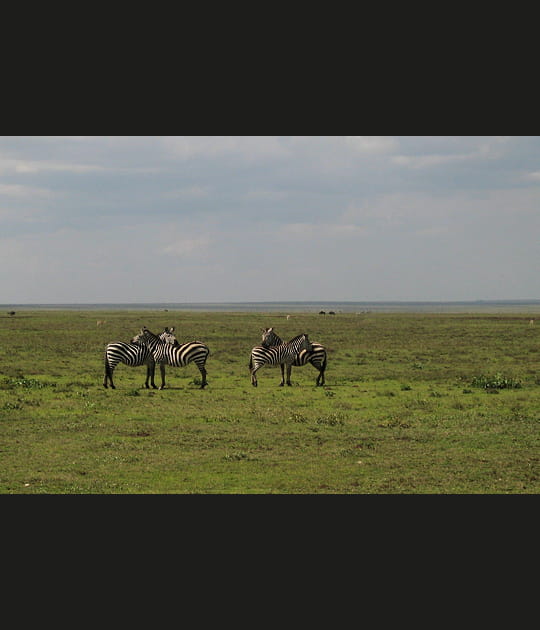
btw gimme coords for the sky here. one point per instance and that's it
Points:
(131, 219)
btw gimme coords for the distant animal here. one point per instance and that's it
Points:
(132, 354)
(171, 352)
(11, 313)
(100, 322)
(317, 356)
(322, 313)
(288, 317)
(531, 322)
(331, 313)
(284, 353)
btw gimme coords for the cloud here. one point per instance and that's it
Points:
(372, 144)
(188, 192)
(188, 247)
(320, 231)
(296, 217)
(21, 167)
(19, 191)
(423, 155)
(246, 147)
(532, 177)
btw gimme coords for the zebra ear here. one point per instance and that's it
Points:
(171, 329)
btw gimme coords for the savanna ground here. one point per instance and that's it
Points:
(413, 403)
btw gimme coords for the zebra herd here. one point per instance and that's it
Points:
(146, 348)
(149, 349)
(298, 351)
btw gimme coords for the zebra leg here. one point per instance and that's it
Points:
(202, 370)
(321, 373)
(289, 368)
(150, 371)
(108, 375)
(162, 371)
(321, 369)
(282, 366)
(253, 372)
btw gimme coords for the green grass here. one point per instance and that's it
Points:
(413, 403)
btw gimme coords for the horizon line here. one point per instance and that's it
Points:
(476, 301)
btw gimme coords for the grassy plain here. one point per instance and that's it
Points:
(403, 409)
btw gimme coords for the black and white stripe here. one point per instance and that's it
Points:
(168, 351)
(132, 354)
(282, 354)
(316, 356)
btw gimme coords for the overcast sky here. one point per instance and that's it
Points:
(223, 219)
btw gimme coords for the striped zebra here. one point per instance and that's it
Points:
(169, 352)
(316, 356)
(132, 354)
(282, 354)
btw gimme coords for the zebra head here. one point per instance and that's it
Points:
(306, 343)
(146, 335)
(269, 338)
(301, 342)
(168, 337)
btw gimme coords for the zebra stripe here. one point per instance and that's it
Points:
(282, 354)
(132, 354)
(316, 356)
(167, 351)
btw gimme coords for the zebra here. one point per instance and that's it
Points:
(282, 354)
(168, 351)
(317, 356)
(132, 354)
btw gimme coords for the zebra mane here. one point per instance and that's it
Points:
(297, 337)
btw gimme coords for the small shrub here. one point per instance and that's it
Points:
(393, 422)
(331, 420)
(497, 381)
(27, 383)
(236, 456)
(297, 417)
(12, 405)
